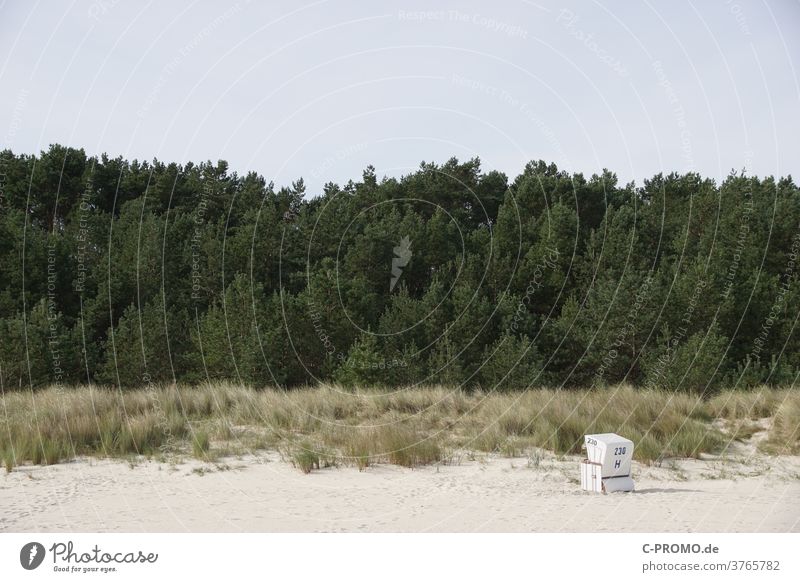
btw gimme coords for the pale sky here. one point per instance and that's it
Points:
(321, 90)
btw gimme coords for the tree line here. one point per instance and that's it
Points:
(130, 272)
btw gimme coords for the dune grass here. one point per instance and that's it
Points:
(328, 425)
(784, 436)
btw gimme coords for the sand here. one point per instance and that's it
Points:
(262, 493)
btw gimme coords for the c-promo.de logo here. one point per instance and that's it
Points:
(31, 555)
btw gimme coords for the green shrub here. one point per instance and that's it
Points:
(201, 444)
(305, 458)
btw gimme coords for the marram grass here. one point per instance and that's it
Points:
(328, 425)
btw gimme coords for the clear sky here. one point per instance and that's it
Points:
(321, 90)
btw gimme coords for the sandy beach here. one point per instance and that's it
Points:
(484, 494)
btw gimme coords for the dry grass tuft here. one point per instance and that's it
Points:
(740, 405)
(407, 427)
(784, 436)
